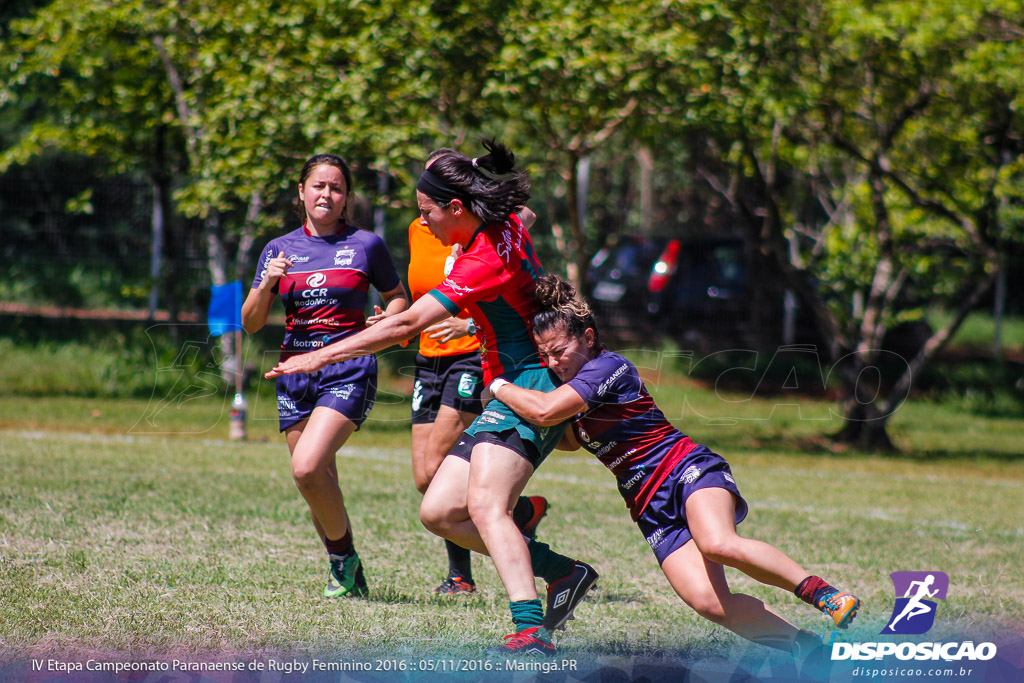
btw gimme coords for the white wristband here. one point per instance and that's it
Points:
(497, 384)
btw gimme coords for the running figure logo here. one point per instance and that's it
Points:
(914, 613)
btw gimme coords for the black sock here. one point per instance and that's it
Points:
(459, 563)
(340, 547)
(522, 512)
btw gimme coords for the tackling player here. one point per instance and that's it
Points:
(676, 490)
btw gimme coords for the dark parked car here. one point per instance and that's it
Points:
(620, 274)
(680, 286)
(699, 283)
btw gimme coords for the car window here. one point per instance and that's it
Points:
(729, 260)
(629, 259)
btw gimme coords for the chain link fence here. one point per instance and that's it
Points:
(72, 241)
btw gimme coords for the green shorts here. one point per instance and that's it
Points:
(498, 417)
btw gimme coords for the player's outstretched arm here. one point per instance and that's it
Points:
(393, 329)
(544, 409)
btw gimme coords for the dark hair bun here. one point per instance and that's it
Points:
(553, 292)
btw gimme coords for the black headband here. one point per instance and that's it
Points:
(438, 190)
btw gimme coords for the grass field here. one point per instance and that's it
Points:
(134, 528)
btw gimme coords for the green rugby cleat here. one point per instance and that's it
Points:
(345, 578)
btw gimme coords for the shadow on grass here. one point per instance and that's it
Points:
(605, 596)
(825, 446)
(389, 595)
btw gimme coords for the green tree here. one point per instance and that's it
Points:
(869, 148)
(234, 92)
(573, 74)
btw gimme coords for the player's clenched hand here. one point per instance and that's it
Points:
(276, 269)
(296, 365)
(378, 315)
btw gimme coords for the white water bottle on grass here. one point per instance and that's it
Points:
(239, 408)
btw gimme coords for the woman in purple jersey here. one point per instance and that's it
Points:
(677, 490)
(323, 272)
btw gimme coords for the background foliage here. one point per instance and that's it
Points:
(869, 153)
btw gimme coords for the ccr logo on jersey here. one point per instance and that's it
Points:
(916, 592)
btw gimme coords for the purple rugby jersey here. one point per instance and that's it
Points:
(625, 429)
(325, 292)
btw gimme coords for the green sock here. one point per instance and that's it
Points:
(526, 613)
(548, 564)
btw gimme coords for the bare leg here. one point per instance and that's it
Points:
(497, 475)
(313, 444)
(711, 518)
(701, 584)
(432, 442)
(420, 436)
(444, 510)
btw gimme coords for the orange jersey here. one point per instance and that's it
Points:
(426, 271)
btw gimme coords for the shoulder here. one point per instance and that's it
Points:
(282, 241)
(367, 237)
(371, 242)
(416, 228)
(287, 236)
(611, 362)
(610, 370)
(486, 243)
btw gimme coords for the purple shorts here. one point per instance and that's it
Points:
(663, 522)
(349, 387)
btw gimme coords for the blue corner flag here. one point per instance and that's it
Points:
(225, 313)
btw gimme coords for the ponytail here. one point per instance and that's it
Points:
(489, 186)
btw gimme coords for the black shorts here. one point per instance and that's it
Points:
(510, 439)
(453, 381)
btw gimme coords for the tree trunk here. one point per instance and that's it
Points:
(645, 160)
(247, 237)
(160, 182)
(564, 245)
(865, 427)
(577, 266)
(217, 262)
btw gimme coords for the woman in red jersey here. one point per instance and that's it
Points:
(472, 202)
(447, 388)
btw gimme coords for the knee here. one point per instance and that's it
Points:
(436, 518)
(429, 515)
(306, 474)
(720, 549)
(484, 511)
(708, 606)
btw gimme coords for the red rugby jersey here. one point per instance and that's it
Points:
(495, 279)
